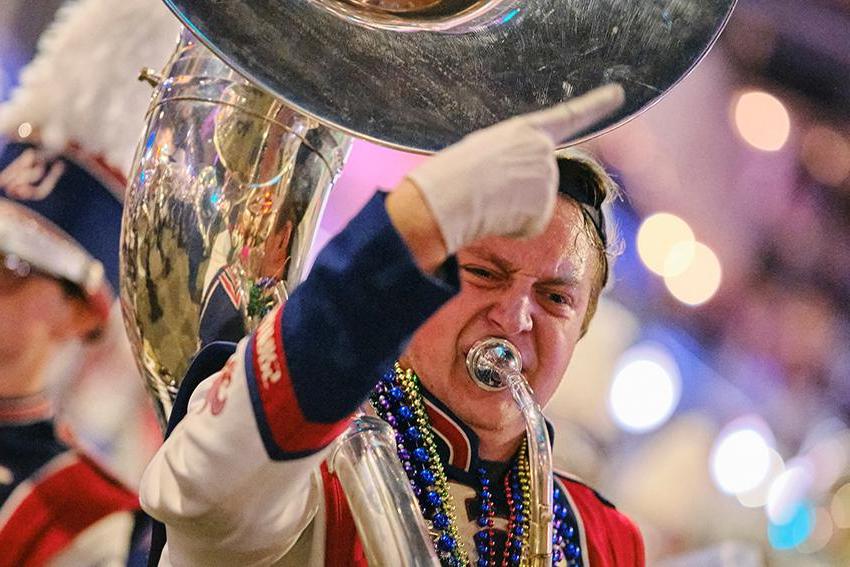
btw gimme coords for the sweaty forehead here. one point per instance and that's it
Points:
(562, 252)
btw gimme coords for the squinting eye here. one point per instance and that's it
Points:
(557, 298)
(478, 272)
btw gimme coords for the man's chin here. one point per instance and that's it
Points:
(495, 411)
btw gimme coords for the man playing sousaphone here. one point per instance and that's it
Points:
(493, 237)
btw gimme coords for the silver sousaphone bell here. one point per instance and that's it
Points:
(420, 74)
(244, 140)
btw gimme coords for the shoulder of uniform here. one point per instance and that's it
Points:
(571, 481)
(80, 475)
(602, 520)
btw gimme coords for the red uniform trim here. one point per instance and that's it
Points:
(57, 507)
(290, 430)
(460, 449)
(608, 537)
(342, 543)
(226, 280)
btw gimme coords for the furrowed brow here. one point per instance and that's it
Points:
(502, 263)
(567, 281)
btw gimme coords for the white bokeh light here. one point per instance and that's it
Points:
(742, 455)
(679, 258)
(756, 497)
(646, 388)
(789, 489)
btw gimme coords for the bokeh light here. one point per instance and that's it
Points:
(840, 507)
(646, 388)
(788, 490)
(680, 258)
(700, 279)
(795, 530)
(657, 237)
(830, 457)
(762, 120)
(24, 130)
(822, 532)
(756, 497)
(741, 456)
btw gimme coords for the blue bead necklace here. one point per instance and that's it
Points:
(397, 399)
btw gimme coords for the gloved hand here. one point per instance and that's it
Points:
(503, 180)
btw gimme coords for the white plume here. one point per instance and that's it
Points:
(82, 85)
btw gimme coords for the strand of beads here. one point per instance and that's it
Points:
(484, 538)
(518, 492)
(397, 400)
(517, 479)
(524, 474)
(260, 299)
(450, 542)
(565, 533)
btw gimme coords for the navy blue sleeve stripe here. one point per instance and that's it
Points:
(350, 319)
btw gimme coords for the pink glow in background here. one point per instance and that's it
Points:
(369, 168)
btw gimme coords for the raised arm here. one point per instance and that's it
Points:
(236, 475)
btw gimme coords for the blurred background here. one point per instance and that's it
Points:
(711, 398)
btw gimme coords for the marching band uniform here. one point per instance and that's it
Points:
(58, 506)
(241, 479)
(77, 99)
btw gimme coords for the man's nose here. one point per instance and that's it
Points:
(512, 312)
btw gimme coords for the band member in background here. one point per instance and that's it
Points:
(67, 137)
(57, 505)
(491, 237)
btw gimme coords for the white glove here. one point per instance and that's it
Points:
(503, 180)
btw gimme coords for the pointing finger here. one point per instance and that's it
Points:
(566, 119)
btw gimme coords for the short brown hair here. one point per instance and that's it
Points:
(598, 190)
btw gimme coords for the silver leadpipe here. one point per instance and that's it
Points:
(496, 364)
(384, 507)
